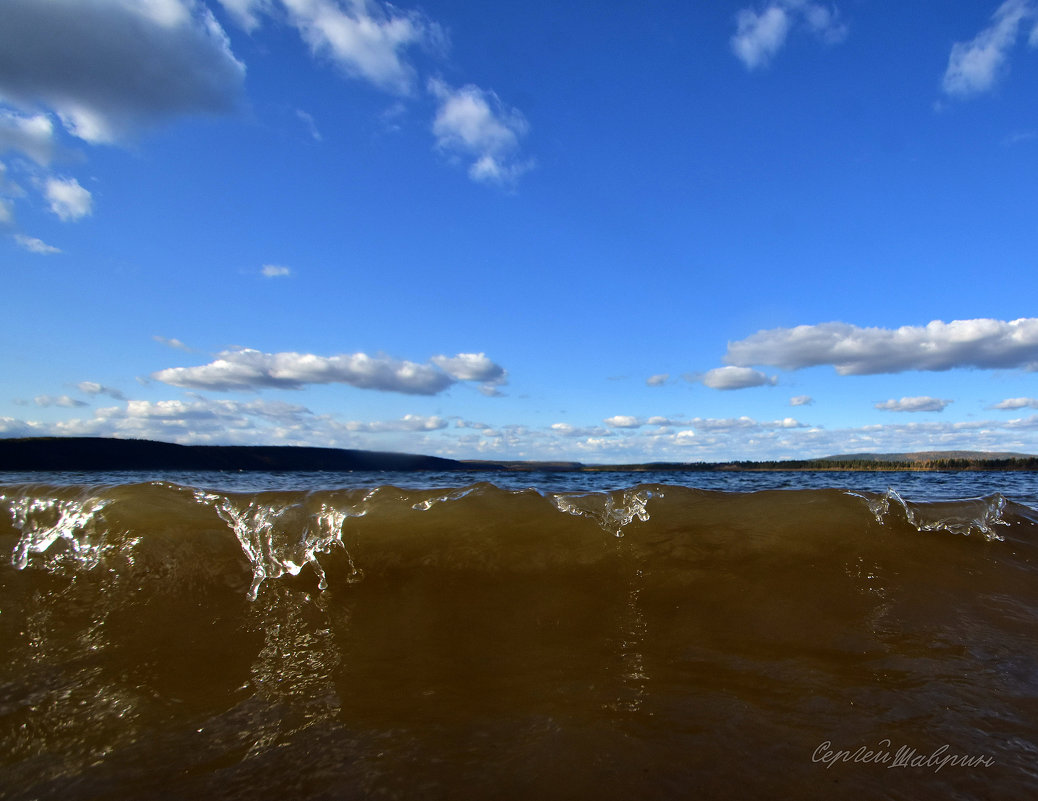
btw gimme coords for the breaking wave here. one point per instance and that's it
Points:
(169, 641)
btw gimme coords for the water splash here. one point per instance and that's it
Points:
(604, 509)
(44, 521)
(265, 531)
(968, 516)
(453, 495)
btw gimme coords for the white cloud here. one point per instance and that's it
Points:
(801, 400)
(1017, 403)
(852, 350)
(246, 13)
(571, 431)
(372, 41)
(275, 271)
(200, 421)
(111, 67)
(253, 369)
(93, 388)
(474, 367)
(409, 422)
(922, 403)
(61, 400)
(34, 245)
(174, 343)
(68, 199)
(760, 35)
(657, 380)
(726, 378)
(622, 421)
(6, 212)
(473, 123)
(311, 125)
(32, 136)
(975, 66)
(366, 38)
(469, 367)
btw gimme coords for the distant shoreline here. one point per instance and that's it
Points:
(88, 454)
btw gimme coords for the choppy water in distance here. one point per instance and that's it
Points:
(519, 635)
(1021, 487)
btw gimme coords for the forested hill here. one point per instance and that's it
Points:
(104, 454)
(100, 454)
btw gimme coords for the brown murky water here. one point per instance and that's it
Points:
(653, 643)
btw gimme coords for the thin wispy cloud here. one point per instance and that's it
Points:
(94, 388)
(174, 343)
(977, 65)
(761, 34)
(34, 245)
(311, 125)
(275, 271)
(60, 400)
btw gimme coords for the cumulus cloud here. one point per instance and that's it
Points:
(726, 378)
(374, 41)
(201, 420)
(469, 367)
(34, 245)
(622, 421)
(68, 199)
(801, 400)
(657, 380)
(1017, 403)
(109, 68)
(921, 403)
(852, 350)
(761, 34)
(275, 271)
(474, 367)
(474, 124)
(975, 66)
(248, 369)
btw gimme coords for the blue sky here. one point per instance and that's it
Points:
(594, 231)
